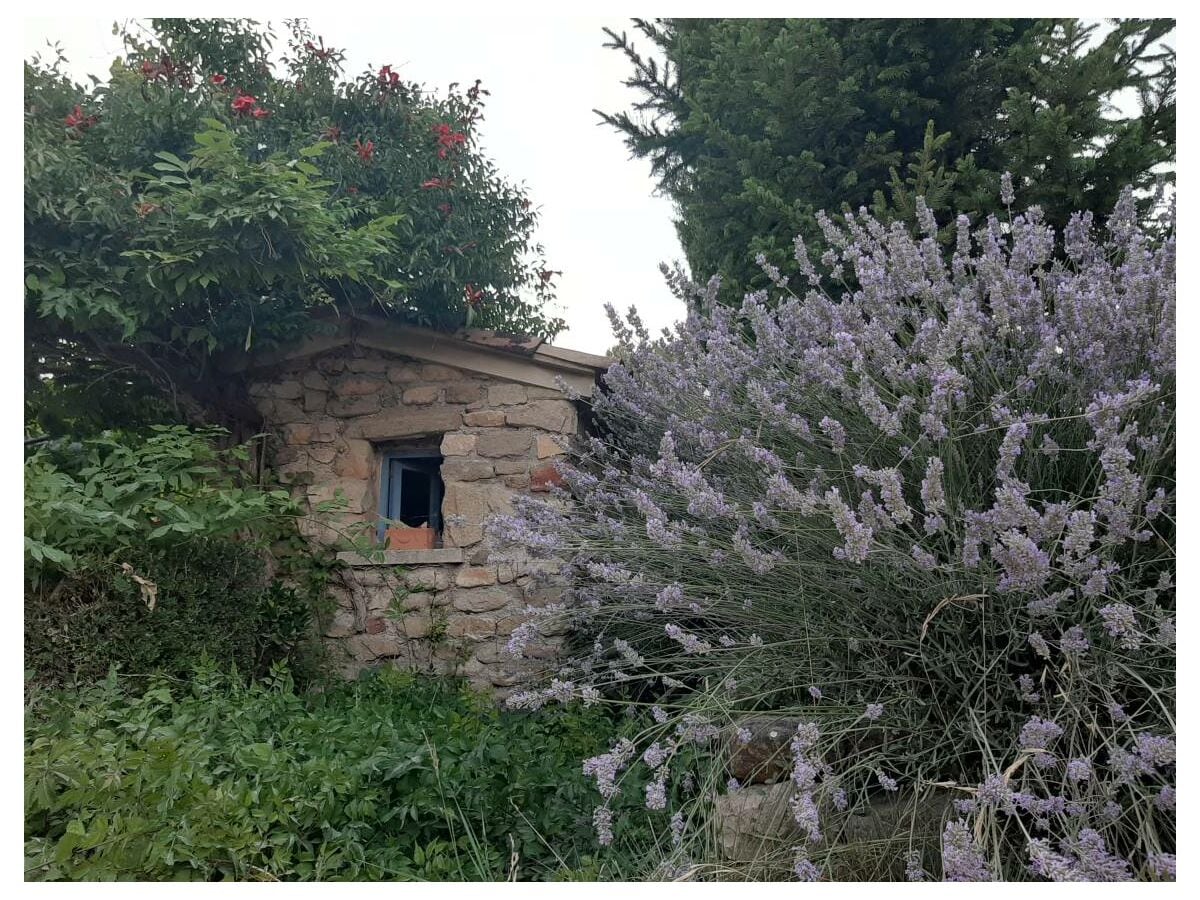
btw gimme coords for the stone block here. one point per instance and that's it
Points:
(427, 578)
(417, 626)
(434, 372)
(475, 576)
(546, 477)
(314, 401)
(404, 374)
(422, 396)
(755, 822)
(506, 394)
(356, 386)
(367, 364)
(353, 490)
(766, 758)
(548, 445)
(464, 392)
(322, 453)
(471, 627)
(455, 444)
(459, 469)
(286, 412)
(355, 406)
(356, 459)
(376, 625)
(503, 443)
(341, 625)
(517, 482)
(286, 390)
(331, 365)
(298, 434)
(474, 502)
(314, 381)
(484, 599)
(512, 466)
(548, 415)
(484, 418)
(402, 422)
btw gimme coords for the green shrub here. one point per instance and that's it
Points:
(212, 599)
(392, 777)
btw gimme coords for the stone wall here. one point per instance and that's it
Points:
(447, 610)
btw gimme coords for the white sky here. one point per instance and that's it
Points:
(600, 223)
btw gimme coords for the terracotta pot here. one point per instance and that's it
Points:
(400, 537)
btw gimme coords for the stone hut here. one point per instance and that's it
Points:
(429, 433)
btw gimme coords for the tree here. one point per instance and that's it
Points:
(200, 202)
(753, 125)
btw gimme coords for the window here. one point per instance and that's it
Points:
(411, 489)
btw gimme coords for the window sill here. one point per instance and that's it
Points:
(404, 557)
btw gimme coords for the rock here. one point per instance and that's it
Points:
(422, 396)
(548, 445)
(314, 401)
(455, 444)
(474, 576)
(463, 393)
(484, 418)
(341, 624)
(548, 415)
(331, 365)
(323, 454)
(516, 482)
(367, 364)
(416, 627)
(506, 394)
(767, 758)
(406, 374)
(484, 599)
(458, 469)
(544, 478)
(474, 628)
(503, 443)
(427, 578)
(512, 466)
(298, 434)
(406, 421)
(356, 406)
(755, 822)
(356, 460)
(356, 386)
(434, 372)
(352, 489)
(314, 381)
(286, 390)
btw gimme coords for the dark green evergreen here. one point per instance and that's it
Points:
(753, 125)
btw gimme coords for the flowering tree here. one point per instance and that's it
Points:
(930, 517)
(201, 201)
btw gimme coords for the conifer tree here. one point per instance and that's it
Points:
(753, 125)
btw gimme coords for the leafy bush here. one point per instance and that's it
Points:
(212, 600)
(931, 516)
(148, 553)
(107, 496)
(254, 195)
(392, 777)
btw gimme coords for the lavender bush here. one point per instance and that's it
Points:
(923, 504)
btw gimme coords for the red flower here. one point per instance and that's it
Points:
(352, 190)
(332, 133)
(448, 139)
(474, 297)
(78, 121)
(436, 183)
(145, 209)
(218, 80)
(149, 69)
(366, 152)
(243, 103)
(259, 113)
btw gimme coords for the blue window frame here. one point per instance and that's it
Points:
(410, 490)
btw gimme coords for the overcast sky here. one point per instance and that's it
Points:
(600, 223)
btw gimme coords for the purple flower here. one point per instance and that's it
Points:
(961, 858)
(873, 711)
